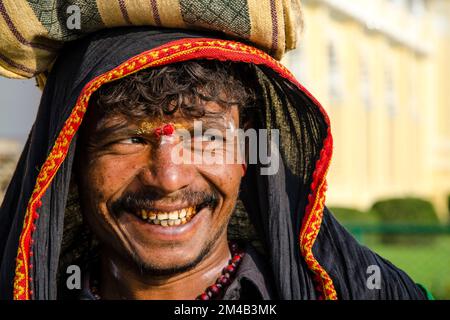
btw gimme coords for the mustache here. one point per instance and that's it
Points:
(148, 199)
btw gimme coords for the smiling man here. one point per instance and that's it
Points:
(162, 225)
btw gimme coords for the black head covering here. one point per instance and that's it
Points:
(286, 208)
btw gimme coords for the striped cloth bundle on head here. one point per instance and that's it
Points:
(33, 31)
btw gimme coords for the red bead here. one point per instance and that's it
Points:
(39, 204)
(204, 296)
(215, 290)
(230, 269)
(224, 281)
(236, 259)
(168, 129)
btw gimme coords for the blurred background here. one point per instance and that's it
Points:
(381, 70)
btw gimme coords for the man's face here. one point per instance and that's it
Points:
(126, 178)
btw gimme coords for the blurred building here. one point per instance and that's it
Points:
(381, 69)
(9, 155)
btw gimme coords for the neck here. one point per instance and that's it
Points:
(121, 279)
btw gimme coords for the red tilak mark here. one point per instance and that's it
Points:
(166, 130)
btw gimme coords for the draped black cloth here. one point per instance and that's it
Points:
(275, 203)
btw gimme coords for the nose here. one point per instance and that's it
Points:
(164, 173)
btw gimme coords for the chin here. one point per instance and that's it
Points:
(169, 261)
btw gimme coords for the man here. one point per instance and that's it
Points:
(99, 184)
(163, 225)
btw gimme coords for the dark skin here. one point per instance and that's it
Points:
(141, 260)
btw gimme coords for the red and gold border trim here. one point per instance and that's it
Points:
(313, 220)
(177, 51)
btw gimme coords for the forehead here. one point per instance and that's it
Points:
(214, 116)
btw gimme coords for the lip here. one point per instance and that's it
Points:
(172, 233)
(169, 208)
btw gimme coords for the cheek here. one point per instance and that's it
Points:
(225, 178)
(107, 176)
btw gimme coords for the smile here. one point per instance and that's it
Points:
(168, 219)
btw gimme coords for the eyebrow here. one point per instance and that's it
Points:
(214, 124)
(103, 129)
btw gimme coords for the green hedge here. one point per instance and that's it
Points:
(405, 211)
(448, 203)
(353, 216)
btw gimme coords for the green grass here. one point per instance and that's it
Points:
(428, 265)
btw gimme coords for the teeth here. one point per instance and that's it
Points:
(173, 215)
(163, 216)
(165, 219)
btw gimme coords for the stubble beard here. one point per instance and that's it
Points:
(152, 269)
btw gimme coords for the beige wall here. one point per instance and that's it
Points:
(386, 94)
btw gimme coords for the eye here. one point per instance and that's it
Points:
(133, 140)
(211, 137)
